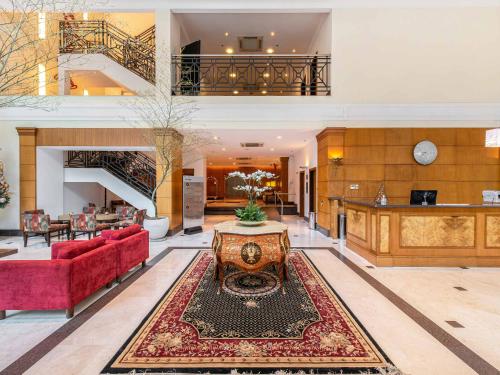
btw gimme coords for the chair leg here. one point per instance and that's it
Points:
(109, 285)
(3, 314)
(70, 312)
(90, 235)
(119, 279)
(25, 237)
(143, 264)
(47, 239)
(68, 234)
(72, 235)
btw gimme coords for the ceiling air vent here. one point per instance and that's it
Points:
(244, 163)
(244, 158)
(250, 43)
(251, 144)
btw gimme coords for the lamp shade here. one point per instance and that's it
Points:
(492, 138)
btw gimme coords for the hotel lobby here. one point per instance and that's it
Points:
(266, 188)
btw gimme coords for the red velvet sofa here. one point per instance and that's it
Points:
(77, 269)
(133, 247)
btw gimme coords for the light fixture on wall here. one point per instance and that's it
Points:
(492, 138)
(336, 161)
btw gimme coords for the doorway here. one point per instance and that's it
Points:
(312, 190)
(302, 177)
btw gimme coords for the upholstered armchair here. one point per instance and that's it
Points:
(125, 212)
(93, 210)
(85, 223)
(36, 223)
(137, 218)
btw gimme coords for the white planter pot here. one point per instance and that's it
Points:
(157, 228)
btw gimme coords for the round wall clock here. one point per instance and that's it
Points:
(425, 152)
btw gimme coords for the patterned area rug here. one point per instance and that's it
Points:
(252, 324)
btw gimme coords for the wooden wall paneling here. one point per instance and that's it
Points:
(27, 169)
(93, 137)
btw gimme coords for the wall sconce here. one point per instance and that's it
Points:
(336, 161)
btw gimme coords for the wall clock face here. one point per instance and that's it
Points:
(425, 152)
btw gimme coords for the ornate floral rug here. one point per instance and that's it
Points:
(252, 324)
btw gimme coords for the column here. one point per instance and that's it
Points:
(330, 177)
(27, 169)
(284, 177)
(169, 195)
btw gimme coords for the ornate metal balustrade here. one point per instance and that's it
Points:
(250, 75)
(136, 53)
(133, 168)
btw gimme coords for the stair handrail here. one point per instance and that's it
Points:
(102, 37)
(135, 169)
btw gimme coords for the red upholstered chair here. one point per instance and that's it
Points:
(38, 224)
(85, 223)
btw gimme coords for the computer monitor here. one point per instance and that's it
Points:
(423, 197)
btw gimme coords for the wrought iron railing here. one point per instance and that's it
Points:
(251, 75)
(136, 53)
(133, 168)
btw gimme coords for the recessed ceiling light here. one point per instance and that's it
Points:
(215, 137)
(223, 149)
(264, 92)
(234, 163)
(232, 75)
(236, 92)
(294, 50)
(226, 34)
(270, 50)
(271, 149)
(210, 163)
(272, 33)
(230, 158)
(229, 50)
(266, 75)
(279, 137)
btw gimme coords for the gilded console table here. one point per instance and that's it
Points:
(251, 249)
(441, 235)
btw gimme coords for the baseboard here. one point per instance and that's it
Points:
(322, 230)
(174, 231)
(11, 232)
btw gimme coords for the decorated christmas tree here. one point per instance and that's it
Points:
(4, 188)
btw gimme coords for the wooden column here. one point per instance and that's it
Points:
(330, 179)
(284, 177)
(27, 169)
(169, 195)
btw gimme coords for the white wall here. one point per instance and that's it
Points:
(50, 181)
(321, 41)
(305, 157)
(78, 195)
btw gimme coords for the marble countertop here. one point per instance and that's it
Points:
(233, 227)
(451, 205)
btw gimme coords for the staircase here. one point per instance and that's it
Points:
(133, 168)
(135, 53)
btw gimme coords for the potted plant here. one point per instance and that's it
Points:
(167, 119)
(4, 188)
(253, 186)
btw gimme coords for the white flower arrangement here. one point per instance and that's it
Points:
(253, 183)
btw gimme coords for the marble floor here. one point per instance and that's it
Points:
(413, 349)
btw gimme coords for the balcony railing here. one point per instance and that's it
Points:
(251, 75)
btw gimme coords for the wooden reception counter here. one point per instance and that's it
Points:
(441, 235)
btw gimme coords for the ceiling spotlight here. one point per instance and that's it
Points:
(270, 50)
(232, 75)
(294, 50)
(223, 149)
(272, 33)
(266, 75)
(226, 34)
(264, 92)
(229, 50)
(271, 149)
(236, 92)
(230, 158)
(279, 137)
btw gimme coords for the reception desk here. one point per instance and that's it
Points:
(441, 235)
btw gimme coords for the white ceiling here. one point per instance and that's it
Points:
(227, 148)
(292, 30)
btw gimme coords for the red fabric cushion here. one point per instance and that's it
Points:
(116, 235)
(76, 249)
